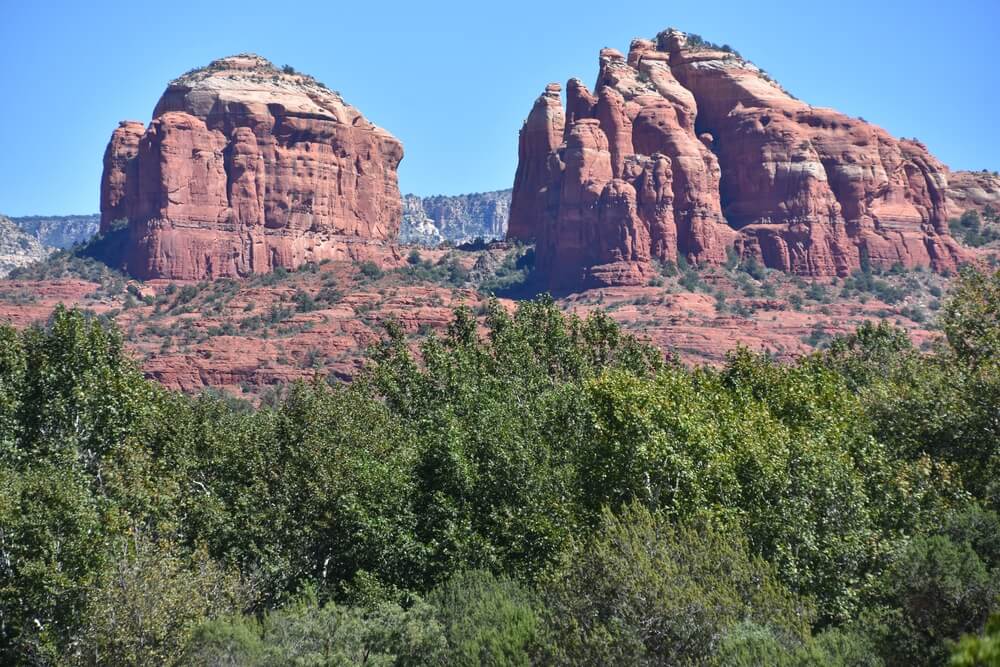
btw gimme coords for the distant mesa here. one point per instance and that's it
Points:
(244, 168)
(29, 239)
(455, 219)
(17, 247)
(59, 231)
(687, 150)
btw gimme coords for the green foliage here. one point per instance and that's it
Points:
(690, 280)
(979, 651)
(782, 447)
(370, 270)
(52, 549)
(749, 645)
(525, 488)
(146, 605)
(308, 633)
(753, 268)
(645, 591)
(448, 271)
(304, 302)
(512, 276)
(971, 318)
(973, 230)
(694, 41)
(949, 399)
(861, 282)
(490, 486)
(67, 264)
(71, 401)
(732, 258)
(91, 260)
(938, 589)
(315, 490)
(869, 354)
(486, 620)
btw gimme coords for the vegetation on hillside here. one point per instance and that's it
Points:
(547, 490)
(976, 230)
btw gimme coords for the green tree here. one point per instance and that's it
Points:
(308, 633)
(646, 591)
(944, 406)
(486, 620)
(979, 650)
(971, 318)
(750, 645)
(74, 406)
(146, 604)
(491, 490)
(938, 590)
(782, 450)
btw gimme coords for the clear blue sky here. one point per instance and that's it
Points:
(454, 80)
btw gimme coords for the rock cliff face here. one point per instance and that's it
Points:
(17, 247)
(457, 219)
(245, 168)
(690, 150)
(59, 231)
(973, 190)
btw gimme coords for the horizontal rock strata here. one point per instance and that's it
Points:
(246, 168)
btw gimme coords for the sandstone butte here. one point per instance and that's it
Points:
(244, 168)
(687, 150)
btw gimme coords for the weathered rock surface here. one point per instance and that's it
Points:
(59, 231)
(245, 168)
(17, 247)
(456, 219)
(973, 190)
(690, 151)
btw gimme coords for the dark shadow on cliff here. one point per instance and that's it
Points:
(98, 259)
(108, 248)
(515, 277)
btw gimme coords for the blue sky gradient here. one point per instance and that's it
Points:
(454, 80)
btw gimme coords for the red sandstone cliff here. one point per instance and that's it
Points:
(245, 168)
(688, 151)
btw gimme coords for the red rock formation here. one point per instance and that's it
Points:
(540, 136)
(119, 172)
(683, 140)
(246, 168)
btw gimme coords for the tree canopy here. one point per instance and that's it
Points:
(529, 488)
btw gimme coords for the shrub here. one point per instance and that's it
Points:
(147, 604)
(979, 651)
(752, 267)
(304, 303)
(309, 633)
(647, 591)
(486, 620)
(371, 270)
(942, 590)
